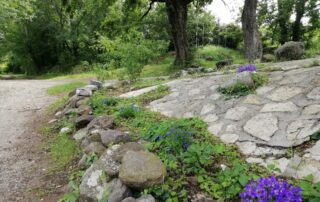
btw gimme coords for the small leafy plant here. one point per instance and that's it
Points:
(127, 112)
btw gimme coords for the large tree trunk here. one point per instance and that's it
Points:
(252, 41)
(177, 11)
(296, 28)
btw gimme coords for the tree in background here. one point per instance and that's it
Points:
(252, 41)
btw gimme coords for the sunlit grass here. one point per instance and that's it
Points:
(65, 88)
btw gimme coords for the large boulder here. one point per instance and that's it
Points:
(290, 51)
(141, 169)
(146, 198)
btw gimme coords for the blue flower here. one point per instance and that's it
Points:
(271, 189)
(247, 68)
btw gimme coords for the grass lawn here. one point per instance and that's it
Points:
(65, 88)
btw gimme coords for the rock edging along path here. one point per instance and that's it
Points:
(265, 125)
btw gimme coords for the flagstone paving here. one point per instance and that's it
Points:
(266, 125)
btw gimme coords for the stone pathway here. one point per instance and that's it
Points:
(266, 125)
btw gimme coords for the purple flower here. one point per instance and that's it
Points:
(271, 189)
(249, 68)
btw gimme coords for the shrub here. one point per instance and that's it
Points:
(271, 189)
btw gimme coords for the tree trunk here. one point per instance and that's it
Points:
(296, 28)
(177, 11)
(252, 41)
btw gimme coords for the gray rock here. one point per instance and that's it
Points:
(229, 138)
(243, 77)
(279, 107)
(52, 121)
(94, 147)
(58, 114)
(85, 92)
(147, 198)
(210, 118)
(113, 137)
(94, 184)
(236, 113)
(123, 149)
(129, 199)
(262, 126)
(247, 148)
(82, 162)
(83, 121)
(302, 128)
(119, 191)
(290, 51)
(207, 109)
(112, 84)
(215, 128)
(65, 130)
(284, 93)
(96, 83)
(81, 102)
(311, 109)
(141, 169)
(314, 94)
(80, 134)
(315, 151)
(91, 87)
(101, 122)
(252, 99)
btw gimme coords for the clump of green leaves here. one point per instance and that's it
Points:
(129, 111)
(310, 191)
(241, 89)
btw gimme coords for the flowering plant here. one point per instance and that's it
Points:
(247, 68)
(271, 189)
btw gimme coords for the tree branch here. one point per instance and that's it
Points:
(150, 7)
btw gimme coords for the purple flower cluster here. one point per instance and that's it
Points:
(271, 189)
(247, 68)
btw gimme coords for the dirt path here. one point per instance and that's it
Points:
(21, 105)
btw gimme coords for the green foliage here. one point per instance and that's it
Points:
(63, 150)
(237, 90)
(197, 157)
(310, 191)
(241, 89)
(131, 52)
(65, 88)
(129, 111)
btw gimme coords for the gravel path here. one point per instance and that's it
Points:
(21, 105)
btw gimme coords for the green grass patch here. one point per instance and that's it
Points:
(63, 150)
(217, 53)
(65, 88)
(52, 108)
